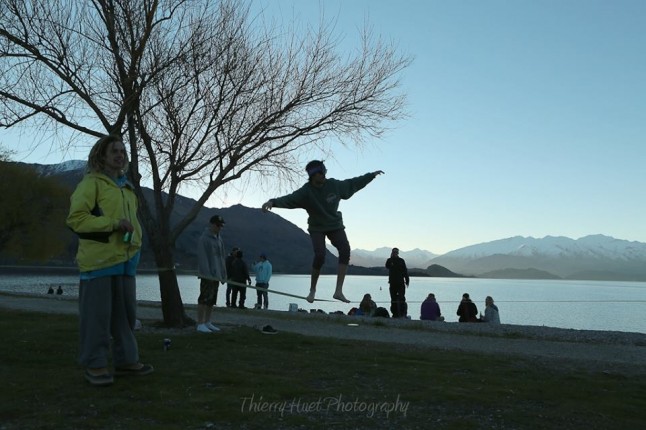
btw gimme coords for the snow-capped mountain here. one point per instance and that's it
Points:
(57, 169)
(594, 246)
(590, 257)
(416, 258)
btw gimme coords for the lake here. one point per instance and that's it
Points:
(586, 305)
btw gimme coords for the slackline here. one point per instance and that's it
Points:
(239, 284)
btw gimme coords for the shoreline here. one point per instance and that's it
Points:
(151, 311)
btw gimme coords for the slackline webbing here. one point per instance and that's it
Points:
(239, 284)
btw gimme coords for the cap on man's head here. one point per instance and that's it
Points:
(465, 295)
(217, 220)
(314, 167)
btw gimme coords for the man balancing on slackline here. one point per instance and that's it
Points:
(320, 197)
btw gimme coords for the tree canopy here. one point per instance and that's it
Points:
(204, 93)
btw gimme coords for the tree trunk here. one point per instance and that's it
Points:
(171, 300)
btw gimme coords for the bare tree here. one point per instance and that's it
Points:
(202, 91)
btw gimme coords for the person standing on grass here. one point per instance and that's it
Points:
(211, 269)
(103, 213)
(228, 261)
(320, 197)
(263, 271)
(399, 280)
(240, 275)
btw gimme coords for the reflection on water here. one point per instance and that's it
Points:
(589, 305)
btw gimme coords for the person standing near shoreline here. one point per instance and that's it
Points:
(240, 275)
(398, 280)
(103, 213)
(263, 271)
(211, 269)
(228, 260)
(320, 197)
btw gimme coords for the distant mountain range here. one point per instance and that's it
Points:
(416, 258)
(594, 257)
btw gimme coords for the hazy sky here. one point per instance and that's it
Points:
(526, 118)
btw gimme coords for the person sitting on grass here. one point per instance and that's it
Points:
(491, 312)
(367, 307)
(430, 309)
(467, 310)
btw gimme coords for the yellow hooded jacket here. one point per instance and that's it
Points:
(96, 207)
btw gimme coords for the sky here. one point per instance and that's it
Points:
(524, 118)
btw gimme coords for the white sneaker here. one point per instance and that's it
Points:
(211, 327)
(202, 328)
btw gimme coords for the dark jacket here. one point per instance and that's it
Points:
(430, 310)
(468, 311)
(397, 271)
(227, 262)
(239, 271)
(322, 203)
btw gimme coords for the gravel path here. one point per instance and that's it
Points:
(611, 352)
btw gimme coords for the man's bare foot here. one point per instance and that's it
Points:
(341, 297)
(310, 296)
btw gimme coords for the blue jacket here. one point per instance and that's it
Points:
(263, 271)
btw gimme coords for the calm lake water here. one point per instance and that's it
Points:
(587, 305)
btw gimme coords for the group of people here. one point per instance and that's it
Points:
(467, 310)
(59, 290)
(103, 213)
(430, 310)
(215, 268)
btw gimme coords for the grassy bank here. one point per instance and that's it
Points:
(241, 378)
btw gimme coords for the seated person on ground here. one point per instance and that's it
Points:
(430, 309)
(367, 306)
(491, 312)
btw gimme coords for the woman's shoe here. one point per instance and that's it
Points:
(99, 380)
(145, 369)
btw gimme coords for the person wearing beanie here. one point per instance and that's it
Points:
(320, 197)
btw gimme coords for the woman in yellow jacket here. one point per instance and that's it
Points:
(103, 212)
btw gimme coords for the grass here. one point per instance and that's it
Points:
(241, 378)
